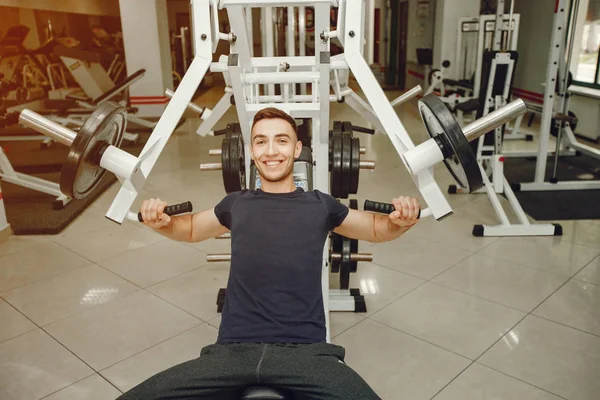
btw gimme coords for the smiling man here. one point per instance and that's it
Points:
(272, 330)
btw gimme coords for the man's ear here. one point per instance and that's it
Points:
(298, 150)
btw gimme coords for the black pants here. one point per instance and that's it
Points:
(309, 371)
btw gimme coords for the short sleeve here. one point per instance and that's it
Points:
(223, 209)
(336, 211)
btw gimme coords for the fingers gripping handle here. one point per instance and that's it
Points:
(386, 208)
(173, 210)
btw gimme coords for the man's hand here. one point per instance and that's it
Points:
(407, 211)
(153, 213)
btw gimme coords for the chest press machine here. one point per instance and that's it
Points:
(95, 148)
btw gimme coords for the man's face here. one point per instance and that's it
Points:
(274, 147)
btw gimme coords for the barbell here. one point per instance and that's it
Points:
(450, 143)
(93, 151)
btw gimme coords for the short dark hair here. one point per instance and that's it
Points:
(275, 113)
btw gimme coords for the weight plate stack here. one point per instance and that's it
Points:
(233, 159)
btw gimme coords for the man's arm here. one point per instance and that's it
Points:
(183, 228)
(373, 227)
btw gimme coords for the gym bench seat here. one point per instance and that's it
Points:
(264, 393)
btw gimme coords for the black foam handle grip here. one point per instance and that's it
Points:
(220, 132)
(363, 130)
(175, 209)
(384, 208)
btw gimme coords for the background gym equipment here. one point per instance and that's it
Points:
(555, 114)
(496, 88)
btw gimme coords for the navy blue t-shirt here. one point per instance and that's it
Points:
(274, 289)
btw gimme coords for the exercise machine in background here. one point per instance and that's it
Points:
(555, 114)
(498, 70)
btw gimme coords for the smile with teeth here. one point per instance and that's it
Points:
(272, 163)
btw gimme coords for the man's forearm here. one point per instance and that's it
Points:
(384, 230)
(179, 229)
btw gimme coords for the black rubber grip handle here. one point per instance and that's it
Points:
(175, 209)
(220, 132)
(363, 130)
(384, 208)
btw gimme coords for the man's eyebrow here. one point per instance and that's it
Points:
(260, 135)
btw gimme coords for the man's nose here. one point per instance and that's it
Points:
(272, 148)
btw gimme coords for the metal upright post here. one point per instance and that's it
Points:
(557, 48)
(4, 226)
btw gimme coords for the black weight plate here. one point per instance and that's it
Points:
(462, 163)
(233, 159)
(346, 165)
(347, 176)
(355, 165)
(345, 265)
(336, 164)
(241, 156)
(230, 130)
(337, 127)
(234, 155)
(226, 165)
(80, 174)
(336, 247)
(354, 242)
(354, 250)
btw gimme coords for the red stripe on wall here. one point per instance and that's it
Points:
(148, 97)
(416, 74)
(530, 98)
(527, 92)
(145, 102)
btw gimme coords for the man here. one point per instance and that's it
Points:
(272, 331)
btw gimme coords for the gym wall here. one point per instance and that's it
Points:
(534, 44)
(89, 7)
(421, 28)
(63, 24)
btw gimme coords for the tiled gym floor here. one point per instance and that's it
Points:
(95, 310)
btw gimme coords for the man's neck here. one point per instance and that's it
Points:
(284, 186)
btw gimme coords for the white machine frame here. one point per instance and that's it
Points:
(4, 226)
(8, 174)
